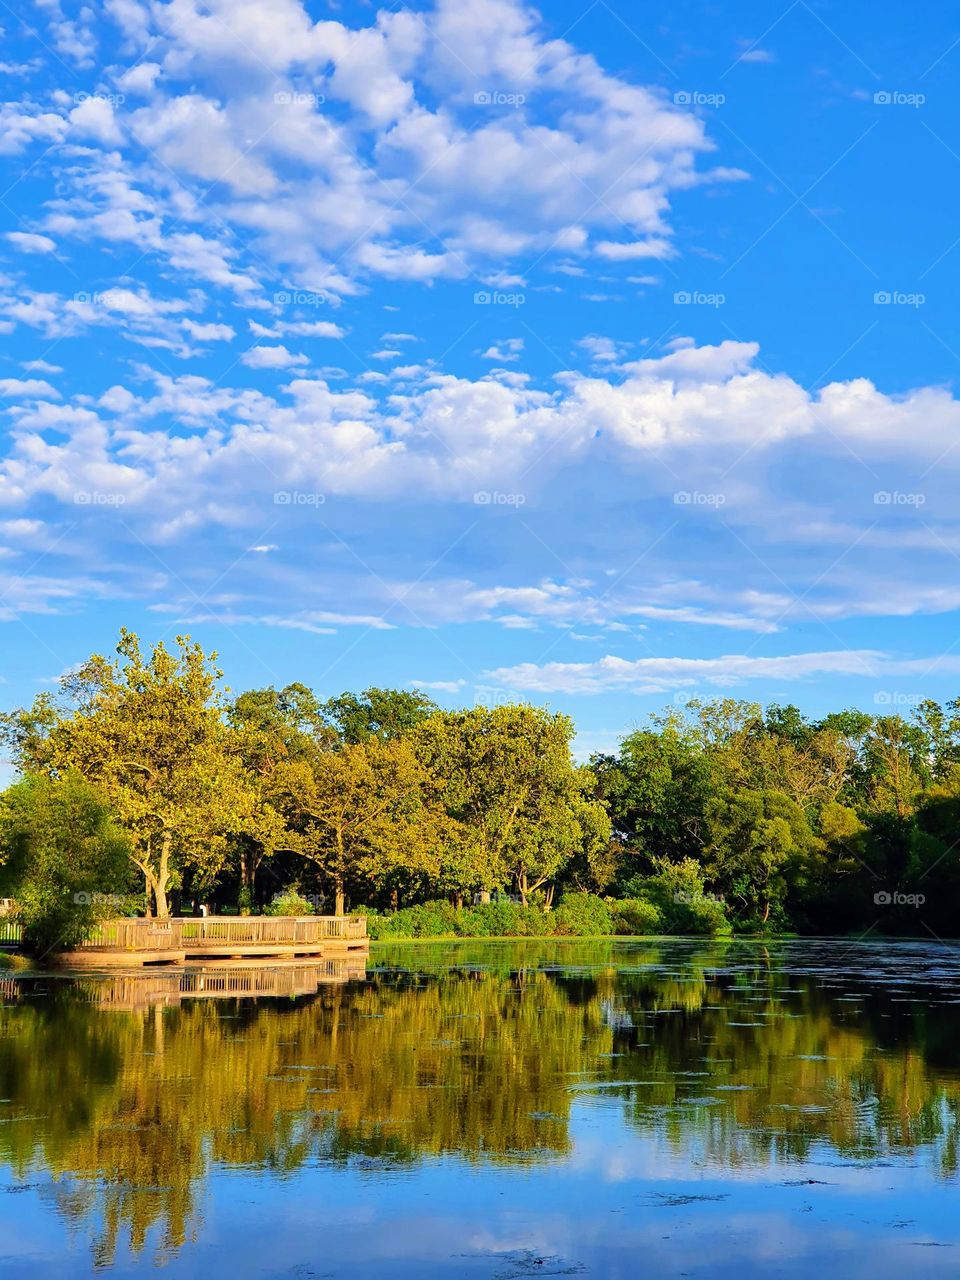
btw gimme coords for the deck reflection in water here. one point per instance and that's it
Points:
(240, 980)
(570, 1094)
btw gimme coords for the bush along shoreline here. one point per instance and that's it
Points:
(577, 915)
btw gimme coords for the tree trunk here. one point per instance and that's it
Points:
(162, 878)
(338, 874)
(522, 886)
(163, 908)
(248, 874)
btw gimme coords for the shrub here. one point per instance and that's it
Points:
(635, 917)
(504, 919)
(583, 915)
(65, 859)
(289, 902)
(677, 889)
(427, 920)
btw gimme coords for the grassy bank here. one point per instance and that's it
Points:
(577, 915)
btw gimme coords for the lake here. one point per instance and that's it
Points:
(490, 1110)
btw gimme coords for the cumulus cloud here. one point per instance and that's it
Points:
(255, 169)
(445, 435)
(454, 157)
(210, 332)
(272, 358)
(674, 458)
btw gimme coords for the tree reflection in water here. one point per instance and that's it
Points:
(130, 1090)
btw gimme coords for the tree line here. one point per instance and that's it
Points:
(146, 785)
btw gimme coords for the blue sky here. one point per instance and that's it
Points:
(601, 356)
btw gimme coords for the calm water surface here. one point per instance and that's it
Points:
(490, 1110)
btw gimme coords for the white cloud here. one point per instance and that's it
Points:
(448, 437)
(659, 675)
(210, 332)
(438, 686)
(220, 108)
(30, 242)
(95, 118)
(314, 329)
(623, 251)
(31, 388)
(41, 366)
(601, 350)
(23, 123)
(272, 358)
(753, 53)
(506, 351)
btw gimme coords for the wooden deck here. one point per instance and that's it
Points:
(181, 939)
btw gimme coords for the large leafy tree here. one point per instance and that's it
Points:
(362, 814)
(149, 733)
(522, 805)
(276, 732)
(656, 791)
(757, 840)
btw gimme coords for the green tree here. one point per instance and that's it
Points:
(63, 858)
(656, 792)
(364, 813)
(757, 839)
(379, 713)
(523, 808)
(149, 734)
(273, 731)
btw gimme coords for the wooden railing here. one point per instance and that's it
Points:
(193, 933)
(134, 935)
(11, 933)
